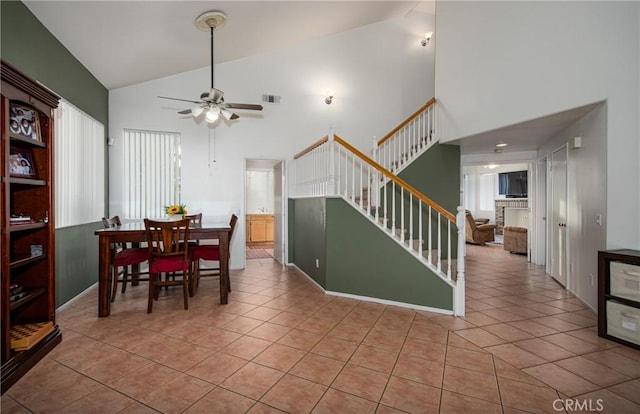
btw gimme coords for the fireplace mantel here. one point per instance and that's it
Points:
(503, 203)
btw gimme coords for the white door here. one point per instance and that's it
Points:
(278, 213)
(558, 230)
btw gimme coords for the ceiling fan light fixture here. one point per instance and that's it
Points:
(197, 111)
(212, 115)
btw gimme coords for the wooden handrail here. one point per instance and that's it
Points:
(397, 180)
(311, 147)
(406, 121)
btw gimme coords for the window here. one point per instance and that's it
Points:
(151, 172)
(79, 167)
(487, 187)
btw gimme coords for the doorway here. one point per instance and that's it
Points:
(558, 225)
(263, 210)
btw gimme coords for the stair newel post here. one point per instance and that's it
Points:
(459, 300)
(332, 165)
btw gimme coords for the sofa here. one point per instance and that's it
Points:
(515, 239)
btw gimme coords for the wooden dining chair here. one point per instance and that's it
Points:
(168, 250)
(123, 256)
(209, 252)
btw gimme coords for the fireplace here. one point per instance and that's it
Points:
(503, 203)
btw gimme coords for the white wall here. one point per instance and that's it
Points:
(586, 199)
(501, 63)
(380, 75)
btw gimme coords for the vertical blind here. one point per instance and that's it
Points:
(151, 172)
(79, 167)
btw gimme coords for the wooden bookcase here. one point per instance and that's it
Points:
(621, 294)
(27, 248)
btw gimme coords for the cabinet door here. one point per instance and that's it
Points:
(258, 231)
(269, 229)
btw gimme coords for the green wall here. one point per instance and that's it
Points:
(436, 174)
(28, 46)
(357, 258)
(307, 238)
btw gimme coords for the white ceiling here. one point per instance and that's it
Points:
(525, 136)
(128, 42)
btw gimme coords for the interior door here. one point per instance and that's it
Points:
(278, 213)
(558, 230)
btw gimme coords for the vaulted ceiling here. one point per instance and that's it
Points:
(127, 42)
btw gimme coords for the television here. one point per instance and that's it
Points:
(513, 184)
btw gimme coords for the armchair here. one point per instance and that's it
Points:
(478, 234)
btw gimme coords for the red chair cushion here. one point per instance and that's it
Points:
(206, 252)
(130, 257)
(168, 264)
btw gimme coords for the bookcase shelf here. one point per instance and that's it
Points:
(26, 190)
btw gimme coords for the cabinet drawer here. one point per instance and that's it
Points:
(625, 280)
(623, 322)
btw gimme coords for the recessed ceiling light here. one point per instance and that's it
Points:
(501, 145)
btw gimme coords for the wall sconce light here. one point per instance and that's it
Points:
(329, 98)
(427, 38)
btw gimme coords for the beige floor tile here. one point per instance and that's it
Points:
(507, 332)
(334, 401)
(526, 397)
(221, 401)
(269, 331)
(351, 380)
(335, 348)
(560, 379)
(277, 321)
(609, 402)
(515, 356)
(217, 368)
(411, 397)
(246, 347)
(480, 337)
(629, 390)
(252, 380)
(424, 349)
(454, 403)
(299, 339)
(420, 370)
(294, 395)
(280, 357)
(615, 361)
(348, 332)
(472, 383)
(591, 371)
(544, 349)
(374, 358)
(464, 358)
(317, 368)
(164, 398)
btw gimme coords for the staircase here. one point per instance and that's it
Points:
(331, 167)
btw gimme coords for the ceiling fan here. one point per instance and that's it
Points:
(212, 102)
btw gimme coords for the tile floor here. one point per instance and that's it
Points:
(281, 345)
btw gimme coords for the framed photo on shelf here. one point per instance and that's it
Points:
(24, 122)
(21, 163)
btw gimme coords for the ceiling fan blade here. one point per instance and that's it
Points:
(178, 99)
(185, 112)
(228, 114)
(253, 107)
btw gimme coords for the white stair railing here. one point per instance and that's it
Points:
(408, 140)
(332, 167)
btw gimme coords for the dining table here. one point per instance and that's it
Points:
(210, 228)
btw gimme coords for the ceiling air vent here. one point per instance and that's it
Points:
(271, 98)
